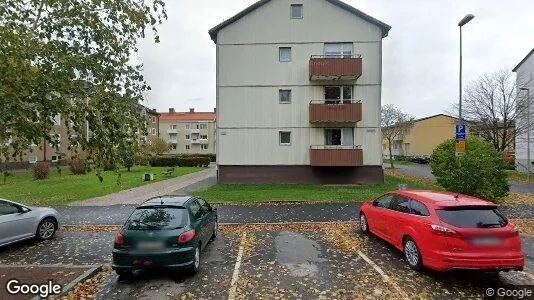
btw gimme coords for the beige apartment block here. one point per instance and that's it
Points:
(299, 94)
(188, 132)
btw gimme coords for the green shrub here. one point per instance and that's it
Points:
(141, 160)
(179, 161)
(78, 166)
(41, 170)
(479, 173)
(403, 158)
(109, 165)
(128, 162)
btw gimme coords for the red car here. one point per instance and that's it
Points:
(444, 231)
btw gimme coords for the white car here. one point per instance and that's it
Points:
(19, 222)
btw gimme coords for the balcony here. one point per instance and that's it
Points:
(172, 131)
(328, 111)
(194, 130)
(336, 156)
(335, 68)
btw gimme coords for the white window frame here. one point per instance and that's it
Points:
(203, 126)
(55, 158)
(187, 147)
(187, 126)
(204, 147)
(174, 146)
(203, 137)
(280, 93)
(280, 51)
(154, 131)
(301, 6)
(32, 159)
(173, 127)
(187, 137)
(153, 119)
(280, 138)
(343, 50)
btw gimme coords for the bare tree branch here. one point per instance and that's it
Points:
(395, 124)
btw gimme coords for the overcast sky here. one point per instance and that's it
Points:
(421, 53)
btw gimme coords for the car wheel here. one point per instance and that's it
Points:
(364, 226)
(215, 230)
(196, 261)
(412, 254)
(46, 229)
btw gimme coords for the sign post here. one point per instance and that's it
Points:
(461, 136)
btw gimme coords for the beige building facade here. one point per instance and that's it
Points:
(299, 96)
(188, 132)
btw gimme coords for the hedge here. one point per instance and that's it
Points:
(179, 161)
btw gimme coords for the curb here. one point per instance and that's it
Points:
(69, 287)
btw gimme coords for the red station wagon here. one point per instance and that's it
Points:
(444, 231)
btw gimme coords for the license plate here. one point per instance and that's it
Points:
(150, 245)
(486, 241)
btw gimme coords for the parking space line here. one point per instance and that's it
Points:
(235, 275)
(385, 277)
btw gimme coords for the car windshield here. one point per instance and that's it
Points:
(157, 218)
(472, 217)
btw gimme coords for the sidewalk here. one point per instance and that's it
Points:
(142, 193)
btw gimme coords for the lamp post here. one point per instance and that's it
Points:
(462, 22)
(528, 132)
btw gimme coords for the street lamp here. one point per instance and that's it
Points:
(464, 21)
(528, 131)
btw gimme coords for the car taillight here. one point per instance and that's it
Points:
(186, 237)
(443, 231)
(119, 240)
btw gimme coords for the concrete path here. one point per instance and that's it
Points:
(137, 195)
(424, 171)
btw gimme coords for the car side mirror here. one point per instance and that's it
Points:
(375, 203)
(23, 209)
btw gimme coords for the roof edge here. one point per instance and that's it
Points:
(523, 60)
(383, 26)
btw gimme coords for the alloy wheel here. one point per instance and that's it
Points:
(411, 253)
(46, 230)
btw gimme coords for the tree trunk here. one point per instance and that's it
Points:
(390, 155)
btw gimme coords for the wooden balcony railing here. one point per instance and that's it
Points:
(336, 156)
(335, 111)
(335, 68)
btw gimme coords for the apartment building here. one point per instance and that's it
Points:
(188, 132)
(525, 91)
(299, 94)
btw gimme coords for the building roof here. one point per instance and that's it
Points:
(522, 61)
(433, 116)
(180, 117)
(385, 27)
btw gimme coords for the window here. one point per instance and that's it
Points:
(154, 131)
(187, 136)
(56, 158)
(173, 127)
(7, 208)
(174, 146)
(285, 54)
(194, 207)
(153, 119)
(383, 201)
(157, 218)
(202, 126)
(418, 208)
(339, 137)
(338, 94)
(204, 206)
(296, 11)
(57, 119)
(472, 217)
(173, 137)
(187, 126)
(285, 138)
(187, 147)
(339, 50)
(284, 96)
(203, 136)
(32, 159)
(204, 147)
(401, 204)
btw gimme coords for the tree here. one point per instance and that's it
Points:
(159, 146)
(72, 58)
(492, 108)
(395, 124)
(480, 173)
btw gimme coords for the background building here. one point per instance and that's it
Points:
(188, 132)
(525, 89)
(423, 137)
(299, 94)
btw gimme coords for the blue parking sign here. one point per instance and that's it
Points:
(461, 129)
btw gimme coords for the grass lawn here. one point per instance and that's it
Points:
(229, 193)
(517, 177)
(61, 189)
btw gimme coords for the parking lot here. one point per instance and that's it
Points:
(269, 261)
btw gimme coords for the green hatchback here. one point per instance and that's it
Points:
(165, 232)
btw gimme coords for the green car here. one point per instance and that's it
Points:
(166, 232)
